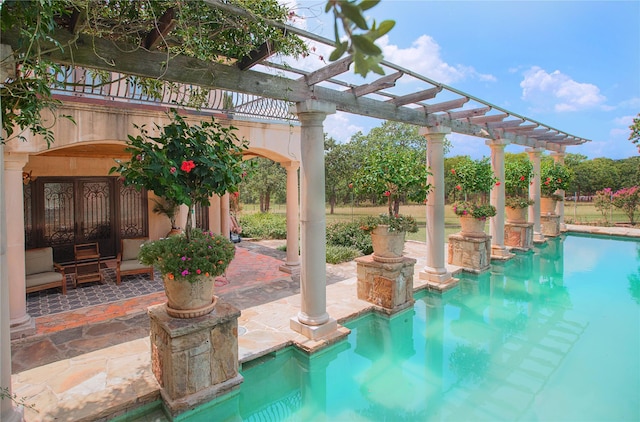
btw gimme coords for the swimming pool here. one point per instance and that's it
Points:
(550, 335)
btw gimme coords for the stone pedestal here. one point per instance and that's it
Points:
(387, 285)
(550, 225)
(196, 359)
(518, 236)
(472, 254)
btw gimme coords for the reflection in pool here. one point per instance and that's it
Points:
(523, 342)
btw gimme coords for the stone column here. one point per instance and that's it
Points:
(558, 157)
(312, 321)
(214, 214)
(435, 271)
(496, 223)
(534, 194)
(292, 263)
(21, 322)
(8, 412)
(225, 219)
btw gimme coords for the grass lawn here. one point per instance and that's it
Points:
(575, 213)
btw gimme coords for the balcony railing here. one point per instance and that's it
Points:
(118, 87)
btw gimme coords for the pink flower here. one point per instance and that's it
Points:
(172, 170)
(185, 273)
(198, 271)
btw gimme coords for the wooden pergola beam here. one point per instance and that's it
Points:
(446, 105)
(488, 119)
(165, 24)
(382, 83)
(329, 71)
(463, 114)
(415, 97)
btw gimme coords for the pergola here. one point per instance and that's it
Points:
(313, 94)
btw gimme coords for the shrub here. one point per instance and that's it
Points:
(628, 200)
(553, 177)
(338, 254)
(603, 202)
(264, 226)
(349, 234)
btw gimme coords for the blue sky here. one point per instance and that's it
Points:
(573, 65)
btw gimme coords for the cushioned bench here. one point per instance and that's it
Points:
(127, 261)
(41, 272)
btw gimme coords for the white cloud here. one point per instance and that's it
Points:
(424, 57)
(623, 121)
(559, 90)
(340, 126)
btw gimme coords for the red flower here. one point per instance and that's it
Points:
(453, 171)
(387, 193)
(187, 166)
(459, 187)
(236, 194)
(521, 177)
(350, 185)
(497, 183)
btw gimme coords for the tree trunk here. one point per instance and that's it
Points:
(267, 201)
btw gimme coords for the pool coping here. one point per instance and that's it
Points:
(106, 383)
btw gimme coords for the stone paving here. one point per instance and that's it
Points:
(115, 378)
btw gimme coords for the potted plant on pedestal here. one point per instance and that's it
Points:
(518, 173)
(186, 164)
(473, 180)
(398, 172)
(553, 177)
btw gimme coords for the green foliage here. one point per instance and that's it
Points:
(395, 223)
(185, 259)
(634, 136)
(349, 234)
(340, 162)
(393, 167)
(338, 254)
(185, 164)
(473, 181)
(265, 181)
(554, 176)
(518, 173)
(366, 55)
(264, 226)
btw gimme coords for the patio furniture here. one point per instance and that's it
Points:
(87, 264)
(127, 260)
(41, 272)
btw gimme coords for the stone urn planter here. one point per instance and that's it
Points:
(387, 246)
(547, 206)
(516, 215)
(471, 226)
(189, 299)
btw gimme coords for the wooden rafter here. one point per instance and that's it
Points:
(165, 24)
(382, 83)
(463, 114)
(78, 19)
(327, 72)
(487, 119)
(446, 105)
(505, 124)
(416, 96)
(261, 53)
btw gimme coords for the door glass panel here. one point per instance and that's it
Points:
(58, 213)
(133, 212)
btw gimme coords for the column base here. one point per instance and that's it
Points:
(438, 281)
(293, 269)
(518, 236)
(314, 332)
(538, 238)
(500, 253)
(23, 327)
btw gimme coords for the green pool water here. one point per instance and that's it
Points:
(552, 335)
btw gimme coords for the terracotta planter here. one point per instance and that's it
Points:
(190, 300)
(387, 246)
(547, 206)
(516, 215)
(472, 227)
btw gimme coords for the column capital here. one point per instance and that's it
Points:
(291, 165)
(435, 133)
(497, 142)
(534, 151)
(313, 106)
(15, 160)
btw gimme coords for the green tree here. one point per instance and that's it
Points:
(265, 179)
(634, 136)
(341, 162)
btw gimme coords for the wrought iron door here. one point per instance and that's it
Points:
(63, 211)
